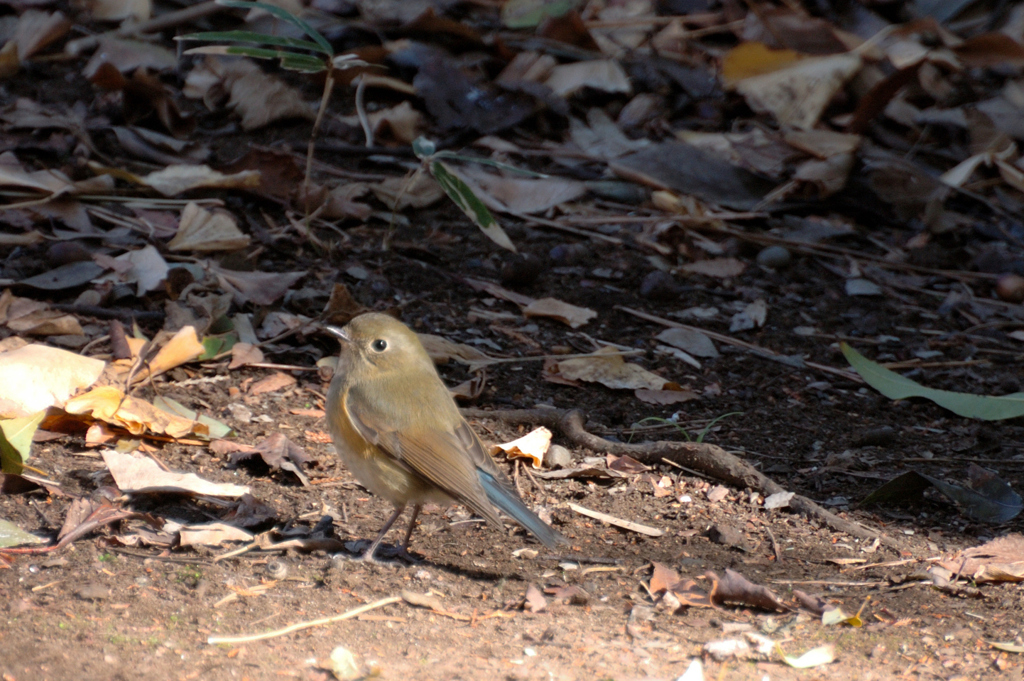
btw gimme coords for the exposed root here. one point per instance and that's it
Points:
(709, 459)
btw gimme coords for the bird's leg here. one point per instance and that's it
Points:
(368, 556)
(403, 550)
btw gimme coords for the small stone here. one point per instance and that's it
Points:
(1010, 287)
(344, 664)
(658, 285)
(240, 412)
(92, 592)
(569, 254)
(727, 536)
(521, 270)
(775, 257)
(557, 456)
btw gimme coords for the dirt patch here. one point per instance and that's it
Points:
(103, 610)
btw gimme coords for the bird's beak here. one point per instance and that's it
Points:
(339, 333)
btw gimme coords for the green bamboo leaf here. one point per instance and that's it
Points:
(488, 162)
(896, 387)
(302, 62)
(459, 192)
(252, 37)
(284, 15)
(16, 441)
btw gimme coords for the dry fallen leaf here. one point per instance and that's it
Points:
(211, 534)
(441, 350)
(243, 354)
(136, 416)
(569, 314)
(273, 383)
(531, 446)
(204, 231)
(184, 346)
(35, 377)
(797, 95)
(141, 475)
(259, 98)
(607, 367)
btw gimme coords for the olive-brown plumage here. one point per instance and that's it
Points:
(397, 428)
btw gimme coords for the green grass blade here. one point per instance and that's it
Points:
(284, 15)
(251, 37)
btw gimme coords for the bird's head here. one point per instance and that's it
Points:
(375, 344)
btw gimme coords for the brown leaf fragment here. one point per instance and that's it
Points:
(257, 97)
(243, 354)
(534, 600)
(564, 312)
(736, 589)
(36, 30)
(273, 383)
(261, 288)
(341, 307)
(815, 605)
(663, 578)
(607, 367)
(664, 397)
(278, 452)
(571, 594)
(691, 595)
(1000, 560)
(625, 464)
(204, 231)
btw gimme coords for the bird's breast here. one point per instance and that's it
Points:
(375, 470)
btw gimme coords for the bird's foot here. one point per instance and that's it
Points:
(388, 556)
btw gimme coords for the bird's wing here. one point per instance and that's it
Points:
(441, 457)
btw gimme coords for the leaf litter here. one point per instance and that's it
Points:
(829, 94)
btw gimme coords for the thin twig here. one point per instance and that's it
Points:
(214, 640)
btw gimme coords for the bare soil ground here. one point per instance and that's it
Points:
(101, 610)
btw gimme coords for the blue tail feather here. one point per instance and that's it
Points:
(513, 506)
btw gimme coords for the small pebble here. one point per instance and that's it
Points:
(344, 665)
(557, 456)
(521, 270)
(92, 592)
(658, 285)
(774, 257)
(569, 254)
(1010, 287)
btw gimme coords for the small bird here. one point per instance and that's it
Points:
(397, 428)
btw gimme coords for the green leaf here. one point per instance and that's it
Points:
(517, 14)
(302, 62)
(284, 15)
(12, 535)
(16, 441)
(896, 387)
(308, 62)
(252, 37)
(459, 192)
(217, 428)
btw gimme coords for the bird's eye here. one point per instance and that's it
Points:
(379, 345)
